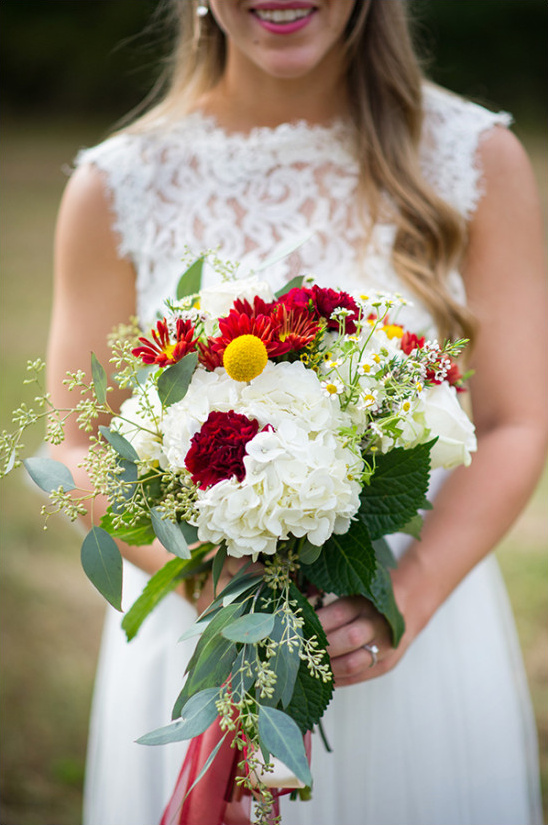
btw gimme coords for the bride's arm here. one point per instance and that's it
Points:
(505, 281)
(94, 291)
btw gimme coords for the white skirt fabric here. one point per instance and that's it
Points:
(446, 738)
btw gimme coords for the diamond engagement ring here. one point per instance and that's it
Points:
(374, 651)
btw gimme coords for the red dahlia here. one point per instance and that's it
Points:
(217, 450)
(162, 350)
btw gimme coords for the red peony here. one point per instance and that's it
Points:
(217, 450)
(162, 350)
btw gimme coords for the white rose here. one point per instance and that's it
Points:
(446, 419)
(218, 300)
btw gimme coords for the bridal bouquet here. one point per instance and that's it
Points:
(295, 430)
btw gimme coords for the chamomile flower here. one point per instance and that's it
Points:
(332, 386)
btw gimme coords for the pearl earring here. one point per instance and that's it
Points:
(202, 9)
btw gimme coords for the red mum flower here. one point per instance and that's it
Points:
(236, 324)
(162, 350)
(295, 328)
(298, 298)
(217, 450)
(410, 341)
(260, 307)
(327, 300)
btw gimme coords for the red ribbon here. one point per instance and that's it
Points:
(215, 799)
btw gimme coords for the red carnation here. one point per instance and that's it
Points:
(162, 350)
(327, 300)
(453, 375)
(298, 298)
(217, 450)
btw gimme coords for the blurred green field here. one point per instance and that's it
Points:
(50, 615)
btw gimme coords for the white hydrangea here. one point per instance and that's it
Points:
(217, 301)
(295, 483)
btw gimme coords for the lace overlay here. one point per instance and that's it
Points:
(192, 186)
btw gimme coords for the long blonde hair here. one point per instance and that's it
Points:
(385, 83)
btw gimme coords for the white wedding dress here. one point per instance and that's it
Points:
(447, 738)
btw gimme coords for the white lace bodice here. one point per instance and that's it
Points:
(190, 185)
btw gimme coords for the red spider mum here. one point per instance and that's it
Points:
(260, 307)
(162, 350)
(295, 328)
(217, 450)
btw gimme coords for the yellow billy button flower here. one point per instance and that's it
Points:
(245, 358)
(393, 330)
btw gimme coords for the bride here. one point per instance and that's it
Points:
(308, 121)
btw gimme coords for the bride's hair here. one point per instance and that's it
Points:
(385, 82)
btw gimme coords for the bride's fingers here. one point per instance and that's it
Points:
(343, 611)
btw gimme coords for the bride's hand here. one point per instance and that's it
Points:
(350, 623)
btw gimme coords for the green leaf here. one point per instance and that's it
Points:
(120, 444)
(138, 534)
(242, 679)
(295, 282)
(413, 526)
(213, 658)
(382, 596)
(284, 251)
(346, 565)
(282, 737)
(174, 382)
(397, 490)
(189, 531)
(384, 555)
(102, 565)
(99, 379)
(49, 474)
(162, 583)
(170, 535)
(129, 476)
(285, 663)
(309, 553)
(250, 629)
(197, 715)
(218, 562)
(311, 696)
(190, 281)
(207, 764)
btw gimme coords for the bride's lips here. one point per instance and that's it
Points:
(283, 18)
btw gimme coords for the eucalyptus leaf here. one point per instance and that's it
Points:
(170, 535)
(49, 474)
(174, 381)
(244, 672)
(102, 564)
(218, 562)
(280, 734)
(157, 587)
(249, 629)
(190, 281)
(119, 443)
(285, 663)
(283, 251)
(197, 715)
(99, 377)
(189, 531)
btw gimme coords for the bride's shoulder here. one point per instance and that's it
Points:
(453, 130)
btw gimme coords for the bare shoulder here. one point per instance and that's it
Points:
(505, 165)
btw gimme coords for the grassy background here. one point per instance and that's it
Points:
(51, 616)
